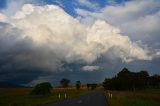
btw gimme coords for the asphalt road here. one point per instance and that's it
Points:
(95, 98)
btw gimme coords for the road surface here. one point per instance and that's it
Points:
(95, 98)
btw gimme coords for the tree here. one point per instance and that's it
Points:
(127, 80)
(92, 86)
(78, 85)
(65, 82)
(42, 89)
(88, 86)
(154, 81)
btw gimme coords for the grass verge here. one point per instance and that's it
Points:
(21, 96)
(134, 98)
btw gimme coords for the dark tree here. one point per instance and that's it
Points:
(92, 86)
(154, 81)
(127, 80)
(88, 86)
(65, 82)
(42, 89)
(78, 85)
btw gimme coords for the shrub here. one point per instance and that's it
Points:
(42, 89)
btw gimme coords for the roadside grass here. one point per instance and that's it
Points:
(22, 97)
(134, 98)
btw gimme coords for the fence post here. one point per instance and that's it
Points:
(59, 95)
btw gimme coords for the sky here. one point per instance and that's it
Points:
(86, 40)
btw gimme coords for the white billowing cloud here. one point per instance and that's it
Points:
(112, 39)
(137, 18)
(85, 17)
(13, 6)
(88, 4)
(157, 53)
(130, 11)
(52, 36)
(3, 18)
(90, 68)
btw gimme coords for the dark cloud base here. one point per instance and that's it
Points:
(74, 72)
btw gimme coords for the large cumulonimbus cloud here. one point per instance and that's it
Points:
(137, 18)
(44, 36)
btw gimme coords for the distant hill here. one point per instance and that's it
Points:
(9, 85)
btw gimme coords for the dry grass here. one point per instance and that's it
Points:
(136, 98)
(21, 97)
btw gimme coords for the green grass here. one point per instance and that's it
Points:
(21, 96)
(134, 98)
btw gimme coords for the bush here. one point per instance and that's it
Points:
(65, 82)
(42, 89)
(78, 85)
(91, 86)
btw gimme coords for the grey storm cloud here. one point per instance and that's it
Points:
(42, 39)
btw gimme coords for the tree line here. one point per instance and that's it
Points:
(44, 88)
(127, 80)
(124, 80)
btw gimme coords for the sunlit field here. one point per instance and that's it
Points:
(22, 97)
(134, 98)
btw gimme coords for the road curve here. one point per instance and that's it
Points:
(95, 98)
